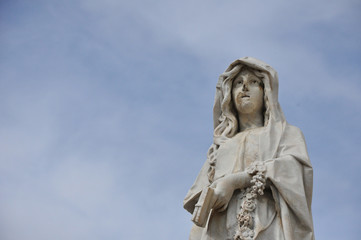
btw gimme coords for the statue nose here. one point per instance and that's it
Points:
(244, 87)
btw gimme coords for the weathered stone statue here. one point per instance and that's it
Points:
(257, 180)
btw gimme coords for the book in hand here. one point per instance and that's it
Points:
(203, 207)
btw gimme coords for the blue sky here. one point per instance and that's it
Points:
(106, 108)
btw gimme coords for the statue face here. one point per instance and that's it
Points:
(247, 93)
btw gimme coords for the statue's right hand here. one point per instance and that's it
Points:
(223, 191)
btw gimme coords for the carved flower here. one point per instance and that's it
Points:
(258, 184)
(244, 218)
(249, 205)
(249, 196)
(260, 178)
(260, 167)
(247, 220)
(251, 169)
(247, 234)
(256, 167)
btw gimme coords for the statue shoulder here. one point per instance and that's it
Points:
(293, 132)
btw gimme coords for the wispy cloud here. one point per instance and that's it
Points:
(106, 108)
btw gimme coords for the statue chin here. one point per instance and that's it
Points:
(246, 108)
(249, 107)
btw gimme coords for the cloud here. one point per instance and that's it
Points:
(106, 108)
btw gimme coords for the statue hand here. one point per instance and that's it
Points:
(223, 191)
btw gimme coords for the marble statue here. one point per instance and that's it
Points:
(257, 180)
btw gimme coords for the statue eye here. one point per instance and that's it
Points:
(239, 82)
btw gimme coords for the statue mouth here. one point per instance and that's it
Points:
(243, 97)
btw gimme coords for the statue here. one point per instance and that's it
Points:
(257, 180)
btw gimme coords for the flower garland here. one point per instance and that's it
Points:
(245, 220)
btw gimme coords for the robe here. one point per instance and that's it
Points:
(285, 208)
(284, 211)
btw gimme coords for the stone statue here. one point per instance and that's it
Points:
(257, 180)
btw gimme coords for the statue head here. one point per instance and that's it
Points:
(243, 93)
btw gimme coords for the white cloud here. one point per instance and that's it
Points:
(105, 106)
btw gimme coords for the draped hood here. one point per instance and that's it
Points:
(283, 150)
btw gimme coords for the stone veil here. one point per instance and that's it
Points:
(283, 212)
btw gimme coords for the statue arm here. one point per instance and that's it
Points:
(224, 188)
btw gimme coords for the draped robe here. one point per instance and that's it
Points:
(284, 211)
